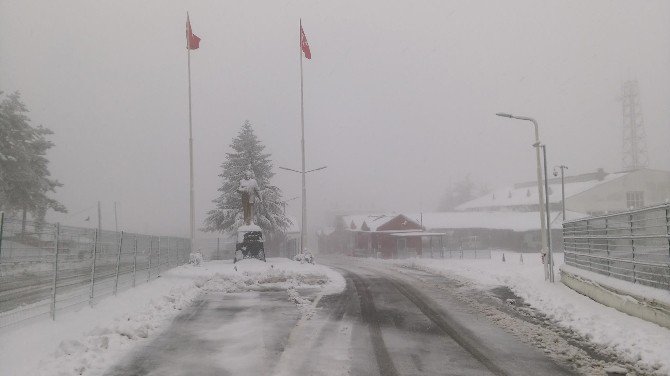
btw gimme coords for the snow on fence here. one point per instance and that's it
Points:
(47, 268)
(632, 245)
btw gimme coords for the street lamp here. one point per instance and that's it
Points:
(562, 167)
(287, 201)
(539, 184)
(304, 201)
(550, 257)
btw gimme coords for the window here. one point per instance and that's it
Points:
(634, 199)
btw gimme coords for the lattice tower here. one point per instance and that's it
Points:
(634, 138)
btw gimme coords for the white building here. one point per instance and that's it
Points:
(591, 193)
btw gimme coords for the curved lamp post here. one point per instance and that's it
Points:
(540, 192)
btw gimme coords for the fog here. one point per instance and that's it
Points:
(400, 97)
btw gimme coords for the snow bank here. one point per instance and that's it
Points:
(90, 340)
(639, 340)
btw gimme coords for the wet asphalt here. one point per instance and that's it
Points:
(383, 323)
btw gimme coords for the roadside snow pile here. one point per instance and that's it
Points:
(639, 340)
(270, 280)
(88, 353)
(195, 258)
(90, 340)
(255, 275)
(304, 257)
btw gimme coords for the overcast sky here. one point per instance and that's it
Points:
(400, 96)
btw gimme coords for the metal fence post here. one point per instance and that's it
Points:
(53, 295)
(588, 244)
(632, 245)
(135, 262)
(159, 257)
(179, 252)
(95, 252)
(607, 245)
(168, 252)
(2, 225)
(151, 250)
(118, 263)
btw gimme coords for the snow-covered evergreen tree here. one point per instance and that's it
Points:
(24, 175)
(269, 212)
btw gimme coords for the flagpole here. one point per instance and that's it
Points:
(302, 127)
(190, 141)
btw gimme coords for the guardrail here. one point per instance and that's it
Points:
(632, 245)
(47, 268)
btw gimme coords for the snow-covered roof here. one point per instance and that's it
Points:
(515, 221)
(416, 234)
(373, 221)
(527, 195)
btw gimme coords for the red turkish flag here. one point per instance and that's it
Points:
(304, 45)
(192, 40)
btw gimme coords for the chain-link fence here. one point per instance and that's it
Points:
(221, 248)
(632, 245)
(47, 268)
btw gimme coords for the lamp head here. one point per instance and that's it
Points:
(504, 114)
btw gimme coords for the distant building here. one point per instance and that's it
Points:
(378, 235)
(507, 218)
(592, 193)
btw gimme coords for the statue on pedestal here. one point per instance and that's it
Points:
(249, 190)
(249, 236)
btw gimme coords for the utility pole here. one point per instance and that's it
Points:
(539, 183)
(549, 264)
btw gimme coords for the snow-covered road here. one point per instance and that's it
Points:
(407, 324)
(355, 317)
(221, 334)
(383, 323)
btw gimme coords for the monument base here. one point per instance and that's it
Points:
(249, 243)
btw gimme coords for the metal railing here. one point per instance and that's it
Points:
(47, 268)
(632, 245)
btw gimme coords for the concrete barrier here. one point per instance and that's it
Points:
(647, 309)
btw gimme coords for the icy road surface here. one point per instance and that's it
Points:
(383, 323)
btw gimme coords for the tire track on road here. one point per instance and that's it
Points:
(370, 316)
(457, 333)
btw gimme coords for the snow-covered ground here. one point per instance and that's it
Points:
(638, 340)
(90, 340)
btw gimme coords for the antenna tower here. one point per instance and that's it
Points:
(634, 138)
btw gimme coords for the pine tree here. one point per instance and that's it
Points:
(269, 212)
(24, 174)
